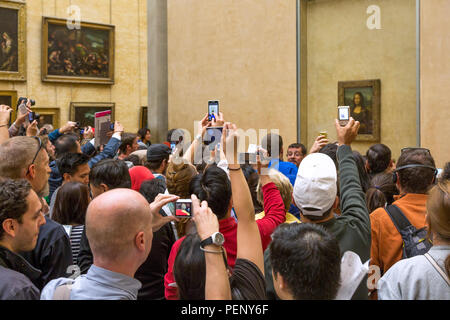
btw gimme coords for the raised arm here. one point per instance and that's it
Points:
(217, 285)
(352, 197)
(111, 147)
(248, 237)
(5, 114)
(197, 143)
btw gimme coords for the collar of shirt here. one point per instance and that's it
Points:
(116, 280)
(17, 263)
(411, 197)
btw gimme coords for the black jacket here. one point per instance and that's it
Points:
(52, 254)
(151, 272)
(15, 275)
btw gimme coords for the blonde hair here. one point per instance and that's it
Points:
(438, 214)
(283, 185)
(178, 178)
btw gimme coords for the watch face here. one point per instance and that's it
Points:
(218, 239)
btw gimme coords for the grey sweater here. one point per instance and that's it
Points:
(416, 278)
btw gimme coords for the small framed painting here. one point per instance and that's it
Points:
(364, 98)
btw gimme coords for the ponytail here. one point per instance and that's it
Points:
(375, 199)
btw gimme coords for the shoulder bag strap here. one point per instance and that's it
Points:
(397, 217)
(437, 267)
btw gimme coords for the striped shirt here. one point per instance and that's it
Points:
(74, 233)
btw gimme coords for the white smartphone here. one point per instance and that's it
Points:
(343, 115)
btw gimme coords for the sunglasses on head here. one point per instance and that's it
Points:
(409, 149)
(39, 149)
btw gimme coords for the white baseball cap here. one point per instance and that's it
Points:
(315, 186)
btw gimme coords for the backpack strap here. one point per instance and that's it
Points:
(63, 292)
(437, 267)
(397, 217)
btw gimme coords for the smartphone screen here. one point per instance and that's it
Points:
(173, 146)
(183, 208)
(344, 113)
(31, 116)
(213, 109)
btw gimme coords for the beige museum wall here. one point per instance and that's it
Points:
(435, 79)
(340, 47)
(129, 92)
(240, 52)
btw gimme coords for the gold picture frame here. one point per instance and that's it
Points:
(13, 28)
(143, 118)
(364, 99)
(84, 112)
(54, 113)
(9, 98)
(84, 55)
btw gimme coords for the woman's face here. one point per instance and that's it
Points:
(357, 99)
(148, 135)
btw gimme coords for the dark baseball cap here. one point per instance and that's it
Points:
(157, 152)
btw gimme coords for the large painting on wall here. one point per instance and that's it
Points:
(84, 55)
(84, 112)
(12, 41)
(364, 98)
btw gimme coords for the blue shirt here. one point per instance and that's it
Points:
(96, 284)
(287, 168)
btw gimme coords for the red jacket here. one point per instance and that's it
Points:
(276, 215)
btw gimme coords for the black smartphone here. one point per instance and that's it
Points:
(31, 116)
(183, 208)
(213, 109)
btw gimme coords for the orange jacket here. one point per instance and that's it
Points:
(387, 244)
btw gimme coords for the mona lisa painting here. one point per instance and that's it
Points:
(363, 97)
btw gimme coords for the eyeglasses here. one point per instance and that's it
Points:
(37, 152)
(414, 149)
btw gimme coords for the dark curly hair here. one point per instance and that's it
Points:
(13, 200)
(309, 260)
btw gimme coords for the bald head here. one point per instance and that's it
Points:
(113, 220)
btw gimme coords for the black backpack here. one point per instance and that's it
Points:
(415, 242)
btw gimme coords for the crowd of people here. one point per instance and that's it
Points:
(80, 221)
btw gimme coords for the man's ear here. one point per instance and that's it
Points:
(139, 241)
(31, 173)
(104, 187)
(366, 164)
(67, 177)
(9, 227)
(336, 203)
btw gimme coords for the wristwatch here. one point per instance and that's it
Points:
(216, 238)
